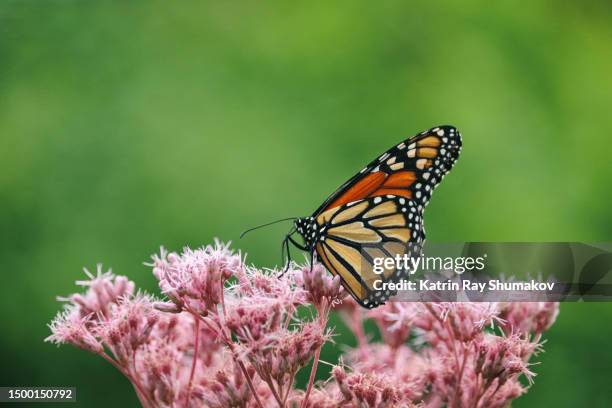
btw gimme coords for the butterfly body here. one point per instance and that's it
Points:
(379, 213)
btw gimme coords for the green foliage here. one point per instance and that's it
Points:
(126, 125)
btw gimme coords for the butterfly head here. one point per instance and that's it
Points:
(307, 228)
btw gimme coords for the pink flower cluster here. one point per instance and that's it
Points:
(230, 335)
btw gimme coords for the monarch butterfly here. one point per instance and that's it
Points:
(378, 213)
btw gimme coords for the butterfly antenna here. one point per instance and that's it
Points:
(265, 225)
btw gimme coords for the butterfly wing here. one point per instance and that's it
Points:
(411, 169)
(353, 235)
(379, 212)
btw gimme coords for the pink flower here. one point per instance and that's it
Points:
(103, 290)
(194, 280)
(369, 390)
(448, 322)
(128, 326)
(320, 285)
(261, 304)
(253, 321)
(69, 328)
(79, 323)
(328, 397)
(270, 284)
(529, 317)
(281, 354)
(404, 368)
(231, 335)
(161, 369)
(394, 321)
(229, 388)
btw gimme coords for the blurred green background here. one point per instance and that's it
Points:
(129, 125)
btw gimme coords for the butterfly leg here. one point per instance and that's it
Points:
(297, 244)
(311, 260)
(285, 247)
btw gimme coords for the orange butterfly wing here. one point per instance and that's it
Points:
(416, 164)
(404, 178)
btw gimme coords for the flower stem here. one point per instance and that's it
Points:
(313, 372)
(225, 339)
(134, 378)
(142, 397)
(275, 393)
(195, 356)
(289, 388)
(249, 382)
(323, 312)
(457, 397)
(358, 329)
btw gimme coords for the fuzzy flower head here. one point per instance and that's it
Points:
(226, 388)
(160, 367)
(529, 317)
(366, 390)
(103, 290)
(292, 350)
(261, 303)
(273, 284)
(68, 327)
(279, 355)
(194, 280)
(255, 317)
(129, 325)
(404, 368)
(83, 313)
(394, 320)
(325, 397)
(503, 358)
(320, 286)
(462, 321)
